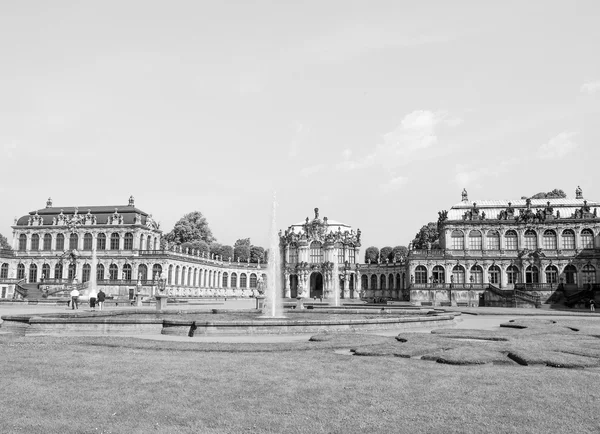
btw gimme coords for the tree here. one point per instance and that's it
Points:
(241, 252)
(191, 227)
(257, 254)
(386, 253)
(371, 254)
(4, 243)
(427, 237)
(226, 253)
(200, 245)
(399, 252)
(554, 194)
(242, 242)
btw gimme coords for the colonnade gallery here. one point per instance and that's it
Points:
(535, 245)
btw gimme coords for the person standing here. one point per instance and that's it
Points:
(93, 296)
(74, 299)
(101, 298)
(593, 305)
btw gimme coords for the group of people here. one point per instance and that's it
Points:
(98, 297)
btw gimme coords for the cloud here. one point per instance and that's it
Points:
(591, 87)
(301, 131)
(311, 170)
(467, 176)
(394, 184)
(559, 146)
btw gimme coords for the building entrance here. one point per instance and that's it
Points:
(294, 286)
(316, 285)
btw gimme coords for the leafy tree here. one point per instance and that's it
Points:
(371, 254)
(399, 252)
(554, 194)
(200, 245)
(241, 252)
(386, 253)
(216, 248)
(242, 242)
(427, 236)
(227, 252)
(257, 254)
(191, 227)
(4, 243)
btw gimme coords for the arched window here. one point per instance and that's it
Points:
(512, 274)
(170, 275)
(551, 274)
(351, 254)
(475, 240)
(101, 242)
(58, 271)
(458, 274)
(439, 274)
(114, 241)
(87, 241)
(142, 242)
(100, 272)
(45, 271)
(73, 240)
(293, 255)
(382, 282)
(316, 254)
(532, 274)
(570, 273)
(476, 274)
(156, 271)
(4, 271)
(128, 241)
(72, 272)
(252, 280)
(493, 240)
(364, 282)
(373, 281)
(588, 274)
(177, 270)
(494, 275)
(243, 280)
(390, 281)
(225, 279)
(32, 273)
(127, 272)
(549, 239)
(458, 240)
(530, 240)
(22, 242)
(60, 242)
(189, 276)
(47, 242)
(511, 240)
(35, 242)
(20, 271)
(86, 272)
(183, 276)
(568, 238)
(113, 272)
(587, 239)
(143, 272)
(420, 274)
(155, 243)
(234, 280)
(340, 253)
(149, 245)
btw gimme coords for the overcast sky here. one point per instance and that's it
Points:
(377, 112)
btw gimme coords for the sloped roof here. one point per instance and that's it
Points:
(101, 212)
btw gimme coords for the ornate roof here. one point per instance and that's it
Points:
(323, 230)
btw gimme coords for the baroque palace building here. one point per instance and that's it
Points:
(535, 246)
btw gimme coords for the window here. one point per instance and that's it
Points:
(373, 281)
(87, 242)
(183, 274)
(170, 275)
(58, 271)
(4, 271)
(549, 240)
(243, 280)
(225, 278)
(127, 272)
(72, 273)
(143, 272)
(588, 274)
(568, 238)
(570, 273)
(35, 242)
(351, 255)
(22, 242)
(390, 281)
(86, 272)
(494, 275)
(293, 254)
(530, 240)
(458, 240)
(60, 242)
(20, 271)
(316, 255)
(511, 240)
(234, 280)
(493, 240)
(113, 272)
(32, 273)
(177, 269)
(99, 272)
(476, 274)
(253, 280)
(45, 271)
(512, 274)
(587, 239)
(156, 271)
(475, 240)
(73, 241)
(149, 245)
(382, 282)
(420, 274)
(458, 274)
(551, 274)
(101, 242)
(114, 241)
(128, 242)
(47, 242)
(439, 274)
(364, 282)
(340, 253)
(532, 274)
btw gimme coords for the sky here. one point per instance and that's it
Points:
(378, 113)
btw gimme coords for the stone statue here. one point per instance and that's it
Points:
(475, 210)
(131, 200)
(557, 214)
(49, 202)
(316, 213)
(595, 212)
(528, 203)
(483, 215)
(585, 208)
(578, 193)
(465, 196)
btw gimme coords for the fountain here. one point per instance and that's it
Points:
(335, 282)
(273, 307)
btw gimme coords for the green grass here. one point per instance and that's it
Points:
(126, 385)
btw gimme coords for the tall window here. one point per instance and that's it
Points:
(149, 245)
(127, 272)
(170, 275)
(530, 239)
(293, 254)
(22, 242)
(316, 254)
(373, 281)
(568, 239)
(177, 269)
(234, 280)
(364, 282)
(243, 280)
(493, 240)
(570, 274)
(45, 271)
(33, 273)
(532, 275)
(99, 272)
(511, 240)
(47, 242)
(128, 241)
(225, 278)
(101, 242)
(512, 275)
(494, 275)
(113, 272)
(549, 240)
(72, 273)
(58, 271)
(390, 281)
(60, 242)
(35, 242)
(587, 239)
(86, 272)
(588, 274)
(20, 271)
(340, 256)
(253, 280)
(420, 274)
(382, 282)
(156, 271)
(551, 274)
(458, 240)
(458, 274)
(87, 242)
(439, 274)
(351, 255)
(475, 240)
(73, 240)
(143, 272)
(476, 274)
(4, 271)
(114, 241)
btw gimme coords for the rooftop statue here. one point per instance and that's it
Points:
(465, 197)
(578, 193)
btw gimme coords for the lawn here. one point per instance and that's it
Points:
(126, 385)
